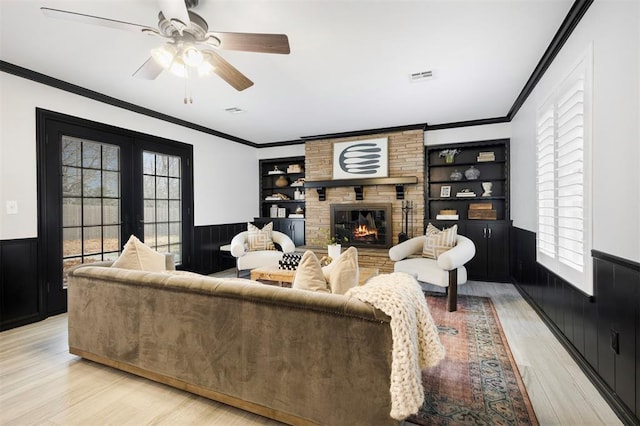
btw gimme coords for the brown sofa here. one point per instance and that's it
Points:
(292, 355)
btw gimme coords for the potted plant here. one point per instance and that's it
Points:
(449, 155)
(332, 242)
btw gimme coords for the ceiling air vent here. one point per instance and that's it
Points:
(234, 110)
(417, 77)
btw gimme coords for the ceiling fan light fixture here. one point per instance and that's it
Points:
(164, 55)
(205, 69)
(192, 57)
(178, 68)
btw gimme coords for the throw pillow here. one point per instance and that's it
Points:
(260, 239)
(437, 242)
(343, 273)
(309, 274)
(137, 255)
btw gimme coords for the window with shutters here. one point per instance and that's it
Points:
(563, 178)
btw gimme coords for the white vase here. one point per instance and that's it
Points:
(487, 189)
(333, 250)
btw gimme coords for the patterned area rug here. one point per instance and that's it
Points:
(478, 383)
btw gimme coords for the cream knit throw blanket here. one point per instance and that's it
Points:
(416, 344)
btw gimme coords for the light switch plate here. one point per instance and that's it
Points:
(12, 207)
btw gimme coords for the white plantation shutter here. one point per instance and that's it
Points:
(562, 133)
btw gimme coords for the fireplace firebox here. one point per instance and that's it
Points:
(365, 225)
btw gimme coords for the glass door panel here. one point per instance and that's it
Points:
(91, 202)
(162, 180)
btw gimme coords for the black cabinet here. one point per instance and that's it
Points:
(293, 228)
(471, 189)
(491, 262)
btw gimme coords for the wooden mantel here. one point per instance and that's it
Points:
(357, 184)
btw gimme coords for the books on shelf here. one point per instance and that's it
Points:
(447, 217)
(466, 194)
(296, 216)
(486, 156)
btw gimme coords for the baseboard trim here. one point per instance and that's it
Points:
(623, 413)
(195, 389)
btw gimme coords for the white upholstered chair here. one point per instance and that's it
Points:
(448, 271)
(247, 260)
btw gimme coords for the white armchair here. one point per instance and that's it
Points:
(246, 260)
(448, 271)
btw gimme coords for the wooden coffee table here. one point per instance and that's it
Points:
(284, 277)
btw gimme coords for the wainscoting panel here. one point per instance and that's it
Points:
(207, 242)
(602, 332)
(20, 299)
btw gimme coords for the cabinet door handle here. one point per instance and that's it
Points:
(484, 232)
(489, 232)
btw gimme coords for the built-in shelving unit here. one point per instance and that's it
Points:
(483, 217)
(291, 204)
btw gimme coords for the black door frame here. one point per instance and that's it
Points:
(52, 300)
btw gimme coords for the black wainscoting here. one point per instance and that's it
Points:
(589, 326)
(207, 242)
(20, 299)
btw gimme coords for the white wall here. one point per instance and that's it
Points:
(468, 134)
(281, 151)
(225, 173)
(613, 28)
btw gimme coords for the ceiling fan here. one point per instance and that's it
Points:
(190, 48)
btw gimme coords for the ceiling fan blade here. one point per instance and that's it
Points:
(252, 42)
(95, 20)
(176, 12)
(149, 70)
(227, 71)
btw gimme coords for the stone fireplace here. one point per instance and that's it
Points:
(405, 158)
(363, 225)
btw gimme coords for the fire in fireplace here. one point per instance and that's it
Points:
(365, 225)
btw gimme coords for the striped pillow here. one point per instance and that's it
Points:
(437, 242)
(259, 239)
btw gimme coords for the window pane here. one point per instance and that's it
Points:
(162, 210)
(162, 236)
(148, 163)
(174, 166)
(71, 242)
(91, 183)
(162, 187)
(174, 233)
(174, 211)
(92, 211)
(149, 211)
(150, 234)
(110, 157)
(91, 157)
(110, 184)
(149, 183)
(71, 211)
(71, 181)
(162, 165)
(92, 240)
(71, 152)
(174, 189)
(111, 238)
(110, 211)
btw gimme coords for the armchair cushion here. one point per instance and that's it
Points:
(437, 242)
(260, 239)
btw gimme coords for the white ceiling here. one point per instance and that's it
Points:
(348, 69)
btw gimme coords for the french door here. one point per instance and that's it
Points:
(97, 186)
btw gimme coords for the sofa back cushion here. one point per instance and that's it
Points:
(139, 256)
(309, 274)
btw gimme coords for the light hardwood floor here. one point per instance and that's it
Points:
(41, 383)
